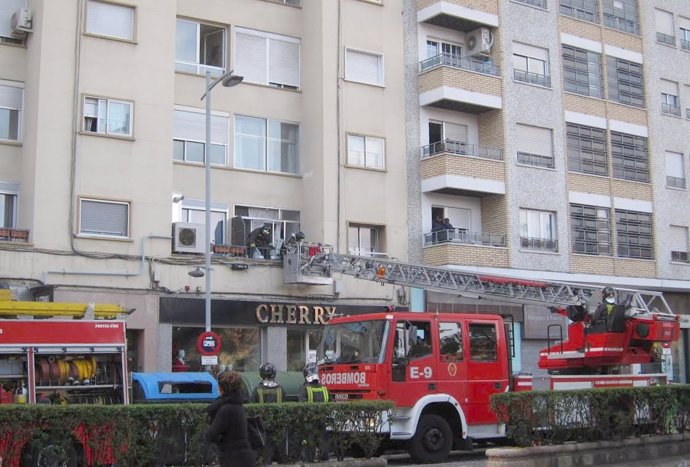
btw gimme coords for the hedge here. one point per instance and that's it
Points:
(535, 418)
(148, 435)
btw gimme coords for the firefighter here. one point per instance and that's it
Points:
(260, 241)
(603, 315)
(270, 392)
(312, 391)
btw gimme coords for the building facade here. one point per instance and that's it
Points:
(552, 135)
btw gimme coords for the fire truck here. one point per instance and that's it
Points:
(440, 369)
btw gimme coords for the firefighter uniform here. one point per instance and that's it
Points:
(313, 392)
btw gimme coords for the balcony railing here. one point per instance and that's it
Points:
(669, 109)
(685, 44)
(539, 243)
(447, 59)
(680, 257)
(675, 182)
(461, 148)
(14, 235)
(537, 3)
(464, 237)
(665, 39)
(536, 160)
(532, 78)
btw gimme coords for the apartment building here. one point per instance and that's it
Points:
(102, 163)
(554, 136)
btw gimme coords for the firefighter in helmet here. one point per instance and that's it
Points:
(268, 391)
(312, 391)
(603, 315)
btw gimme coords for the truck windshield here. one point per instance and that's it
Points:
(358, 342)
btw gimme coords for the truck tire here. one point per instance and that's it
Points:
(432, 441)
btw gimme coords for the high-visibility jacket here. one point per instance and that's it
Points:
(313, 392)
(268, 394)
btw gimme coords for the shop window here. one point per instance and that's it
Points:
(240, 350)
(301, 347)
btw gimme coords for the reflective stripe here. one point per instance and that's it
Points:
(311, 390)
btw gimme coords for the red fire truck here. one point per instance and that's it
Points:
(441, 369)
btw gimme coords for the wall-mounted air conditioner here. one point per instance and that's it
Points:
(189, 238)
(478, 41)
(22, 22)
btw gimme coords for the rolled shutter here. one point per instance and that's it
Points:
(678, 238)
(674, 165)
(110, 20)
(191, 126)
(283, 66)
(664, 22)
(104, 218)
(363, 67)
(250, 57)
(534, 140)
(669, 87)
(11, 97)
(530, 51)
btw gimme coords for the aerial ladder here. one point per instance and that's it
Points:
(12, 308)
(647, 319)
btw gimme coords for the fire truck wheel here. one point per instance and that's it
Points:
(432, 441)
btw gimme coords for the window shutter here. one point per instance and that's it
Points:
(283, 66)
(456, 132)
(11, 97)
(103, 218)
(684, 22)
(530, 51)
(674, 165)
(534, 140)
(110, 20)
(678, 238)
(664, 22)
(7, 7)
(250, 57)
(191, 126)
(362, 67)
(669, 87)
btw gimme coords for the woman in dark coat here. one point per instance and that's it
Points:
(228, 429)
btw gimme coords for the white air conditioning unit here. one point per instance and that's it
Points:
(478, 41)
(189, 238)
(22, 22)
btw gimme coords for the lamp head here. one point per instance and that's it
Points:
(198, 272)
(232, 80)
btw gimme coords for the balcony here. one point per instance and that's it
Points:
(680, 257)
(532, 78)
(465, 237)
(665, 39)
(538, 244)
(459, 247)
(685, 44)
(675, 182)
(14, 235)
(450, 146)
(459, 15)
(669, 109)
(535, 3)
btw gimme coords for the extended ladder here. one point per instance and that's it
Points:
(304, 260)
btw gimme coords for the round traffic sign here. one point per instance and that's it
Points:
(208, 343)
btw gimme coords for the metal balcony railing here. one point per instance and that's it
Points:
(685, 44)
(461, 148)
(464, 237)
(669, 109)
(533, 243)
(472, 64)
(537, 3)
(675, 182)
(665, 39)
(680, 257)
(532, 78)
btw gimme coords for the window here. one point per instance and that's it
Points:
(679, 244)
(301, 347)
(7, 8)
(586, 149)
(625, 83)
(441, 53)
(110, 19)
(365, 240)
(664, 27)
(531, 65)
(537, 3)
(190, 136)
(675, 170)
(293, 3)
(629, 157)
(282, 223)
(685, 34)
(415, 337)
(634, 231)
(483, 343)
(365, 151)
(582, 71)
(199, 48)
(446, 137)
(267, 58)
(11, 103)
(107, 116)
(587, 10)
(364, 67)
(538, 230)
(621, 15)
(194, 211)
(591, 230)
(450, 335)
(104, 218)
(8, 209)
(266, 145)
(534, 146)
(670, 104)
(241, 348)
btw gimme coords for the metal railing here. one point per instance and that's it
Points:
(537, 160)
(447, 59)
(685, 44)
(464, 237)
(675, 182)
(537, 3)
(665, 39)
(669, 109)
(680, 256)
(532, 78)
(539, 243)
(461, 148)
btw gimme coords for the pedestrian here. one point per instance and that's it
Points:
(312, 391)
(228, 423)
(270, 392)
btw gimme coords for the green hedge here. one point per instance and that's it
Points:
(554, 417)
(147, 435)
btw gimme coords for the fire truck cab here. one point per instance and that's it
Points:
(440, 369)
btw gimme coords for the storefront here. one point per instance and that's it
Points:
(252, 332)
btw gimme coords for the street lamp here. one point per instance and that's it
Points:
(227, 80)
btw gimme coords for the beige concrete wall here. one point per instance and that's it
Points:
(451, 164)
(466, 255)
(459, 78)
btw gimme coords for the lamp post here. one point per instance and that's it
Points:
(227, 80)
